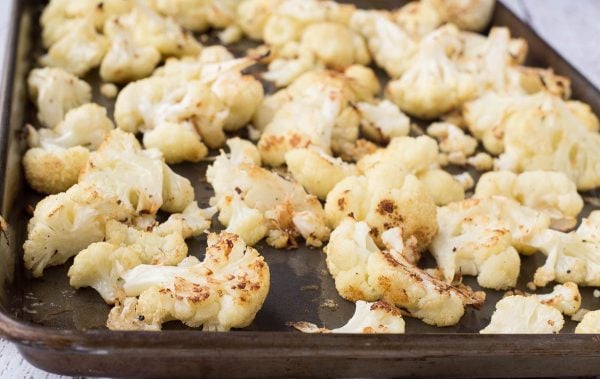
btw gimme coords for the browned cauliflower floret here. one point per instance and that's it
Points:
(224, 291)
(54, 170)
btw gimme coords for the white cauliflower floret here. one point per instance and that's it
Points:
(418, 18)
(443, 187)
(564, 297)
(481, 237)
(78, 51)
(382, 121)
(362, 272)
(473, 15)
(252, 16)
(138, 40)
(317, 172)
(198, 15)
(55, 92)
(316, 110)
(590, 324)
(432, 83)
(584, 114)
(287, 210)
(365, 77)
(552, 193)
(57, 156)
(481, 161)
(224, 291)
(519, 314)
(368, 318)
(453, 141)
(545, 135)
(390, 45)
(64, 224)
(571, 257)
(101, 264)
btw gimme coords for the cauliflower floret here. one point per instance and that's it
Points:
(453, 141)
(287, 210)
(545, 135)
(224, 291)
(443, 187)
(362, 272)
(584, 114)
(317, 172)
(368, 318)
(473, 15)
(57, 156)
(138, 40)
(481, 237)
(109, 90)
(418, 18)
(390, 46)
(252, 16)
(590, 324)
(316, 110)
(55, 92)
(564, 297)
(571, 257)
(552, 193)
(198, 15)
(101, 264)
(519, 314)
(382, 121)
(385, 200)
(78, 51)
(432, 83)
(481, 161)
(365, 77)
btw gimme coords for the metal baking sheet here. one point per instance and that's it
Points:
(62, 330)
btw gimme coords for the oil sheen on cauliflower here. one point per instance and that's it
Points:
(552, 193)
(316, 110)
(224, 291)
(481, 237)
(369, 318)
(363, 272)
(571, 257)
(254, 202)
(520, 314)
(55, 92)
(57, 156)
(101, 264)
(121, 181)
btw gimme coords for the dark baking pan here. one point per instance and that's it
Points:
(62, 330)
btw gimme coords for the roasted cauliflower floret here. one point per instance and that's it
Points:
(57, 156)
(368, 318)
(362, 272)
(198, 15)
(571, 257)
(481, 237)
(472, 15)
(432, 84)
(224, 291)
(418, 18)
(545, 135)
(101, 264)
(443, 187)
(390, 45)
(317, 172)
(520, 314)
(382, 121)
(552, 193)
(252, 16)
(453, 141)
(590, 324)
(564, 297)
(55, 92)
(287, 210)
(481, 161)
(584, 114)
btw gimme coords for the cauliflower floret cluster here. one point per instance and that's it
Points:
(254, 202)
(101, 264)
(369, 318)
(457, 145)
(316, 110)
(224, 291)
(482, 236)
(317, 172)
(421, 157)
(120, 182)
(571, 257)
(189, 103)
(55, 92)
(552, 193)
(363, 272)
(57, 156)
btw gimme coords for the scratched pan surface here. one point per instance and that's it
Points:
(62, 330)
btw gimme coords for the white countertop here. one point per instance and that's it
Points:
(570, 26)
